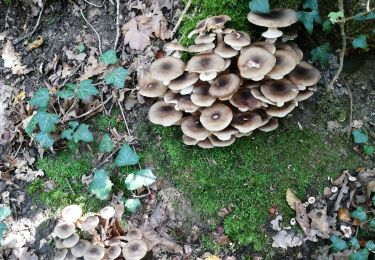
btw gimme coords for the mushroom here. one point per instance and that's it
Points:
(94, 252)
(185, 80)
(265, 45)
(217, 23)
(220, 143)
(244, 100)
(246, 122)
(60, 254)
(205, 38)
(311, 200)
(205, 144)
(303, 95)
(201, 96)
(107, 212)
(201, 47)
(185, 104)
(224, 86)
(80, 248)
(292, 51)
(64, 230)
(284, 64)
(259, 95)
(237, 39)
(199, 28)
(163, 114)
(255, 63)
(270, 126)
(133, 233)
(188, 140)
(172, 98)
(217, 117)
(71, 241)
(134, 250)
(304, 75)
(70, 256)
(113, 252)
(152, 88)
(226, 134)
(187, 90)
(225, 51)
(276, 18)
(167, 69)
(279, 91)
(71, 213)
(59, 243)
(281, 111)
(193, 128)
(206, 64)
(90, 223)
(175, 48)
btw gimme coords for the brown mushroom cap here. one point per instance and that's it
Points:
(185, 104)
(291, 51)
(205, 38)
(246, 122)
(255, 63)
(281, 111)
(244, 100)
(276, 18)
(270, 126)
(71, 213)
(70, 256)
(64, 230)
(313, 88)
(90, 223)
(167, 69)
(134, 233)
(237, 39)
(173, 46)
(205, 63)
(261, 44)
(185, 80)
(225, 51)
(200, 27)
(303, 95)
(217, 117)
(225, 86)
(220, 143)
(284, 64)
(60, 254)
(201, 96)
(205, 144)
(226, 134)
(172, 98)
(80, 248)
(134, 250)
(217, 22)
(164, 114)
(201, 47)
(259, 95)
(94, 252)
(279, 91)
(152, 88)
(113, 252)
(193, 128)
(107, 212)
(188, 140)
(71, 241)
(304, 74)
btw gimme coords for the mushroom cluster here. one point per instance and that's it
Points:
(232, 86)
(106, 241)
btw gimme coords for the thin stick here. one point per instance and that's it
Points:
(35, 27)
(181, 18)
(92, 27)
(354, 16)
(351, 107)
(117, 23)
(330, 86)
(95, 4)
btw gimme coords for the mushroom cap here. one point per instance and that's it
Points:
(225, 85)
(303, 95)
(244, 100)
(113, 252)
(64, 230)
(90, 223)
(281, 111)
(71, 241)
(71, 213)
(60, 254)
(70, 256)
(279, 91)
(237, 38)
(220, 143)
(246, 122)
(205, 38)
(284, 64)
(255, 63)
(205, 63)
(261, 44)
(80, 248)
(297, 50)
(225, 51)
(193, 128)
(185, 104)
(59, 243)
(201, 96)
(291, 51)
(174, 46)
(185, 80)
(134, 233)
(217, 117)
(134, 250)
(201, 47)
(171, 98)
(313, 88)
(152, 88)
(304, 74)
(272, 124)
(167, 68)
(226, 134)
(107, 212)
(276, 18)
(217, 22)
(205, 144)
(163, 114)
(259, 95)
(188, 140)
(94, 252)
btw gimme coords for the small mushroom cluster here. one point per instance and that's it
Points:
(232, 86)
(103, 244)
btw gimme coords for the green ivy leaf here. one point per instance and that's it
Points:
(3, 228)
(31, 126)
(308, 19)
(370, 16)
(44, 139)
(46, 121)
(132, 205)
(338, 244)
(126, 156)
(360, 255)
(73, 124)
(86, 89)
(360, 42)
(81, 47)
(360, 136)
(359, 214)
(100, 185)
(40, 98)
(83, 134)
(327, 26)
(372, 221)
(359, 17)
(66, 94)
(373, 200)
(354, 243)
(67, 134)
(108, 57)
(261, 6)
(4, 213)
(135, 181)
(370, 245)
(334, 16)
(320, 54)
(368, 149)
(106, 145)
(310, 4)
(116, 77)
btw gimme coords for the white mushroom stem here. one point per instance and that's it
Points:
(237, 48)
(208, 75)
(271, 40)
(219, 37)
(301, 87)
(177, 54)
(253, 64)
(272, 32)
(187, 90)
(279, 104)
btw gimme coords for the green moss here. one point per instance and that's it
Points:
(105, 123)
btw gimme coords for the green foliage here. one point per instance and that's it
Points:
(106, 145)
(83, 134)
(7, 2)
(3, 228)
(67, 134)
(46, 121)
(81, 47)
(126, 156)
(360, 42)
(4, 213)
(40, 98)
(360, 255)
(334, 16)
(31, 126)
(364, 17)
(338, 244)
(373, 200)
(68, 92)
(359, 214)
(354, 243)
(310, 4)
(132, 205)
(372, 221)
(141, 178)
(100, 185)
(327, 26)
(368, 150)
(86, 89)
(370, 245)
(109, 57)
(360, 136)
(310, 16)
(116, 77)
(44, 139)
(261, 6)
(320, 54)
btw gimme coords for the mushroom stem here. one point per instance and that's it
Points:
(219, 37)
(279, 104)
(301, 87)
(253, 64)
(272, 32)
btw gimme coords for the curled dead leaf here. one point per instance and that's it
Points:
(19, 98)
(291, 199)
(370, 188)
(12, 60)
(340, 180)
(344, 215)
(35, 44)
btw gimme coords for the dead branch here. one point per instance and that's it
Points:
(117, 23)
(92, 27)
(181, 18)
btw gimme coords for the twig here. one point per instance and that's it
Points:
(95, 4)
(35, 27)
(351, 106)
(181, 18)
(92, 27)
(117, 23)
(107, 158)
(343, 48)
(354, 16)
(69, 109)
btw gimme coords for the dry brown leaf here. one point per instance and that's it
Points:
(12, 60)
(302, 218)
(160, 26)
(344, 215)
(66, 70)
(19, 98)
(291, 199)
(340, 180)
(137, 39)
(370, 188)
(75, 56)
(94, 69)
(35, 44)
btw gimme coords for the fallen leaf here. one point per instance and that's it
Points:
(35, 44)
(344, 215)
(302, 218)
(12, 60)
(283, 239)
(291, 199)
(370, 188)
(133, 35)
(340, 180)
(19, 98)
(160, 26)
(95, 68)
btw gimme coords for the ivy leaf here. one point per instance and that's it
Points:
(4, 213)
(100, 185)
(360, 42)
(68, 92)
(132, 205)
(370, 16)
(320, 54)
(308, 19)
(334, 16)
(44, 139)
(126, 156)
(46, 121)
(67, 134)
(354, 243)
(338, 244)
(135, 181)
(40, 98)
(327, 26)
(368, 149)
(310, 4)
(360, 255)
(370, 245)
(373, 200)
(106, 145)
(31, 126)
(116, 77)
(3, 228)
(83, 134)
(73, 124)
(86, 89)
(81, 48)
(372, 221)
(261, 6)
(359, 214)
(360, 136)
(108, 57)
(359, 17)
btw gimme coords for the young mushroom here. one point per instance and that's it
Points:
(134, 250)
(164, 114)
(60, 254)
(221, 143)
(205, 144)
(167, 69)
(149, 87)
(201, 96)
(71, 213)
(284, 64)
(217, 117)
(304, 75)
(244, 100)
(174, 48)
(64, 230)
(225, 86)
(90, 223)
(279, 91)
(270, 126)
(185, 80)
(80, 248)
(281, 111)
(113, 252)
(207, 65)
(246, 122)
(237, 39)
(71, 241)
(193, 128)
(94, 252)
